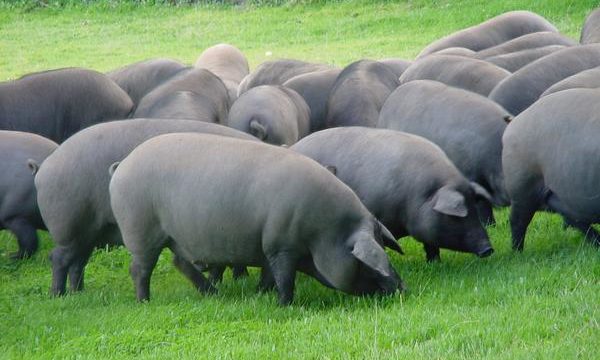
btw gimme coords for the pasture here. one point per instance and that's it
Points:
(543, 303)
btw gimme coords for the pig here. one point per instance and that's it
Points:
(516, 60)
(72, 189)
(467, 126)
(518, 91)
(590, 33)
(589, 79)
(550, 162)
(73, 99)
(398, 66)
(228, 63)
(526, 42)
(459, 51)
(140, 78)
(19, 213)
(277, 72)
(274, 114)
(407, 182)
(492, 32)
(466, 73)
(358, 94)
(193, 94)
(315, 87)
(216, 212)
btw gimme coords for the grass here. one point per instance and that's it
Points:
(542, 304)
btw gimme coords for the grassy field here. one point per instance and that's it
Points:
(541, 304)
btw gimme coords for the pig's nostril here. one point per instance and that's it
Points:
(485, 252)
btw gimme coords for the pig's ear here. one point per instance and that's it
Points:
(388, 239)
(257, 129)
(481, 191)
(33, 166)
(450, 202)
(369, 252)
(332, 169)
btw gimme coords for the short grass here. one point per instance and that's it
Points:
(541, 304)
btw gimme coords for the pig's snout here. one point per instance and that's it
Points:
(485, 252)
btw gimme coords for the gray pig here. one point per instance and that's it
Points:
(193, 94)
(274, 114)
(398, 66)
(588, 79)
(515, 60)
(228, 63)
(492, 32)
(590, 33)
(19, 212)
(551, 162)
(527, 42)
(72, 188)
(140, 78)
(358, 94)
(232, 202)
(72, 99)
(315, 87)
(467, 126)
(518, 91)
(407, 182)
(277, 72)
(466, 73)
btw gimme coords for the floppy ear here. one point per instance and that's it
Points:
(387, 237)
(450, 202)
(481, 191)
(33, 166)
(257, 129)
(332, 169)
(369, 252)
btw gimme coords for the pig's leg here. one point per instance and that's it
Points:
(77, 267)
(26, 237)
(283, 266)
(267, 281)
(141, 269)
(521, 214)
(195, 276)
(432, 252)
(215, 273)
(591, 235)
(485, 212)
(239, 272)
(62, 258)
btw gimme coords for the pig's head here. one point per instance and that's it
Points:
(448, 219)
(357, 263)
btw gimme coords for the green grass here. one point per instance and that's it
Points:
(544, 303)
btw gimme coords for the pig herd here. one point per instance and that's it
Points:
(299, 166)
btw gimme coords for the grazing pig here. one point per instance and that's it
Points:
(407, 182)
(518, 91)
(492, 32)
(358, 94)
(526, 42)
(274, 114)
(278, 72)
(398, 66)
(315, 87)
(193, 94)
(470, 74)
(226, 213)
(551, 162)
(588, 79)
(72, 188)
(140, 78)
(467, 126)
(228, 63)
(19, 212)
(72, 99)
(590, 33)
(516, 60)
